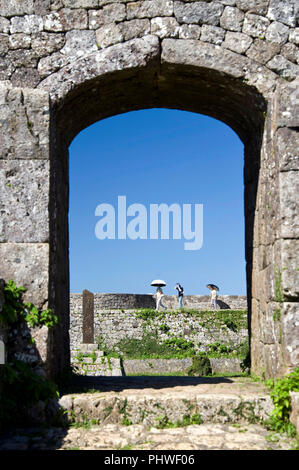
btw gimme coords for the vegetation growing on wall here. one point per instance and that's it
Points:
(280, 394)
(233, 319)
(22, 386)
(149, 346)
(16, 310)
(158, 341)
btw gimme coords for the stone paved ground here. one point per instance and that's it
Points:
(142, 436)
(139, 437)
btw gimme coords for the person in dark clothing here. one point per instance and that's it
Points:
(180, 290)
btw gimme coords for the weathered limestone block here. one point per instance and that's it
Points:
(24, 189)
(50, 64)
(4, 25)
(134, 53)
(41, 341)
(287, 142)
(294, 36)
(25, 77)
(149, 9)
(291, 52)
(189, 31)
(289, 190)
(108, 35)
(262, 51)
(294, 416)
(19, 41)
(45, 43)
(277, 32)
(115, 12)
(79, 44)
(165, 27)
(65, 20)
(212, 34)
(255, 25)
(272, 360)
(286, 105)
(205, 55)
(271, 327)
(26, 24)
(284, 67)
(80, 3)
(237, 42)
(232, 19)
(289, 268)
(24, 123)
(135, 28)
(285, 12)
(254, 6)
(28, 265)
(16, 7)
(113, 33)
(290, 333)
(23, 58)
(198, 12)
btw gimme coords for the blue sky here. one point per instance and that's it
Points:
(152, 157)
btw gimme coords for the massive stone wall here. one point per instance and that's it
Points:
(65, 64)
(38, 38)
(116, 318)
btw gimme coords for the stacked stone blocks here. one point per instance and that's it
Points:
(234, 60)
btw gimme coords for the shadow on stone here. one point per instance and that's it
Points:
(109, 384)
(223, 305)
(28, 398)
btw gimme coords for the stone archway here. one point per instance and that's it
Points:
(98, 61)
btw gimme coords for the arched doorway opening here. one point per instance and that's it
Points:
(165, 158)
(172, 86)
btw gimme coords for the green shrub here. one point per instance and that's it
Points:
(15, 309)
(231, 324)
(201, 366)
(21, 386)
(280, 394)
(164, 328)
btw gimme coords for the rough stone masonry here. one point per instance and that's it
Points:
(65, 64)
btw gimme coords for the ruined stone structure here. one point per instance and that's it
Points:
(114, 318)
(65, 64)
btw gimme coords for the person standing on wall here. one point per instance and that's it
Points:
(180, 290)
(213, 290)
(159, 294)
(214, 298)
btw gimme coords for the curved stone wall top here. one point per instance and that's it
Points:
(133, 301)
(56, 44)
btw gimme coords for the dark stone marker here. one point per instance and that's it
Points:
(88, 317)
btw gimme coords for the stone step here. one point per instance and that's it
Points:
(140, 437)
(99, 365)
(160, 366)
(159, 401)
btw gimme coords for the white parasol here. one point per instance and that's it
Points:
(158, 283)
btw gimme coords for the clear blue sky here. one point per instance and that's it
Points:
(152, 157)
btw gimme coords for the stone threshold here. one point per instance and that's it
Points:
(158, 401)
